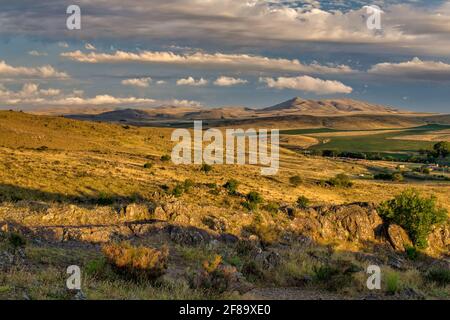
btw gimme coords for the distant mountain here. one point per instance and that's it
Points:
(293, 113)
(298, 105)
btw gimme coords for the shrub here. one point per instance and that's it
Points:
(254, 197)
(252, 271)
(165, 158)
(324, 273)
(178, 190)
(302, 202)
(206, 168)
(97, 268)
(148, 165)
(392, 283)
(329, 153)
(439, 276)
(188, 184)
(137, 262)
(42, 148)
(340, 181)
(336, 276)
(383, 176)
(231, 186)
(412, 253)
(272, 207)
(295, 181)
(398, 177)
(415, 214)
(253, 200)
(16, 240)
(215, 278)
(267, 234)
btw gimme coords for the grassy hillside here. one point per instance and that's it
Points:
(89, 183)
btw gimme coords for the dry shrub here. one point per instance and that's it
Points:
(215, 278)
(137, 262)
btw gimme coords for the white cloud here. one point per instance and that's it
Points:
(307, 83)
(159, 82)
(217, 60)
(190, 81)
(139, 82)
(89, 46)
(228, 81)
(36, 53)
(63, 44)
(31, 96)
(44, 72)
(413, 69)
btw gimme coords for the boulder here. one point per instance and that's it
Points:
(398, 238)
(214, 223)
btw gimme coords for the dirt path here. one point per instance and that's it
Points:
(290, 294)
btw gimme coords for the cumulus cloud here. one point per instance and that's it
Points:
(190, 81)
(308, 84)
(139, 82)
(31, 96)
(62, 44)
(37, 53)
(228, 81)
(43, 72)
(413, 69)
(201, 59)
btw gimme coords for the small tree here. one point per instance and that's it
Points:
(415, 214)
(442, 149)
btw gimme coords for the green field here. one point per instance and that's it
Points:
(380, 143)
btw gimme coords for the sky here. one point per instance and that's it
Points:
(214, 53)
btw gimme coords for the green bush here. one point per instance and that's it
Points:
(165, 158)
(254, 197)
(415, 214)
(439, 276)
(16, 240)
(253, 200)
(178, 190)
(148, 165)
(231, 186)
(412, 253)
(188, 184)
(392, 283)
(302, 202)
(340, 181)
(295, 181)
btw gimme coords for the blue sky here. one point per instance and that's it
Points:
(224, 53)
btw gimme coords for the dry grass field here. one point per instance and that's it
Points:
(69, 187)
